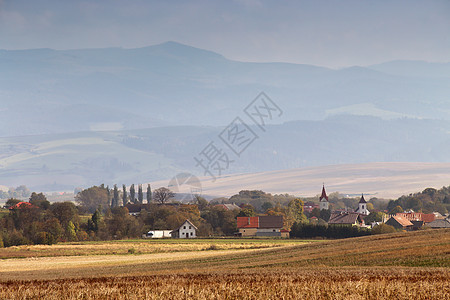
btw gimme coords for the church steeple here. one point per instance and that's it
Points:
(324, 194)
(323, 200)
(362, 206)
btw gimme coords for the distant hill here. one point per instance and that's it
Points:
(80, 117)
(56, 91)
(61, 162)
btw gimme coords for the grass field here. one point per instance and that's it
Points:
(395, 266)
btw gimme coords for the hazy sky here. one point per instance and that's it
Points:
(326, 33)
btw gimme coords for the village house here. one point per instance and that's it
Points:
(413, 216)
(309, 206)
(439, 223)
(346, 218)
(187, 230)
(21, 205)
(400, 222)
(232, 206)
(261, 226)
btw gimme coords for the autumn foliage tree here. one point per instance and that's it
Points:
(92, 198)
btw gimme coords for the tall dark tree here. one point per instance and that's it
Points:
(124, 194)
(115, 201)
(108, 191)
(132, 194)
(140, 194)
(149, 194)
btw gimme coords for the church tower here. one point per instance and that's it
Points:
(323, 200)
(362, 207)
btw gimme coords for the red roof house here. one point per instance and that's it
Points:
(21, 205)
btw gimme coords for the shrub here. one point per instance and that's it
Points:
(383, 228)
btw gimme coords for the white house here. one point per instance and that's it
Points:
(187, 230)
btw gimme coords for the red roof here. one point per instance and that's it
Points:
(324, 194)
(247, 222)
(21, 205)
(413, 216)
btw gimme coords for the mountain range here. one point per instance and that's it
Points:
(81, 117)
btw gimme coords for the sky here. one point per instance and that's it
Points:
(325, 33)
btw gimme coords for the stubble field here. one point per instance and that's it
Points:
(395, 266)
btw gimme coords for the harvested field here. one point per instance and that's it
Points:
(405, 265)
(140, 247)
(324, 283)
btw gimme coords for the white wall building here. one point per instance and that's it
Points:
(187, 230)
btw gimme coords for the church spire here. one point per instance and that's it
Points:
(324, 194)
(323, 200)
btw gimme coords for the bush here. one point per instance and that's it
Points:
(301, 230)
(383, 228)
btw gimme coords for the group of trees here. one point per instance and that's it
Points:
(103, 213)
(18, 192)
(427, 201)
(100, 196)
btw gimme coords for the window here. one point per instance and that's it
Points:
(184, 227)
(192, 233)
(190, 227)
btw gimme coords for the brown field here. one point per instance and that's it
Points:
(139, 247)
(396, 266)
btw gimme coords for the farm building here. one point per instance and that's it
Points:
(346, 218)
(231, 206)
(413, 216)
(261, 226)
(439, 223)
(400, 222)
(187, 230)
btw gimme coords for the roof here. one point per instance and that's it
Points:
(324, 194)
(260, 222)
(21, 205)
(134, 208)
(427, 218)
(440, 223)
(402, 221)
(247, 222)
(344, 218)
(229, 206)
(362, 200)
(271, 222)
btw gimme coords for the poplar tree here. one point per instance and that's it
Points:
(149, 194)
(132, 194)
(115, 201)
(124, 194)
(140, 194)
